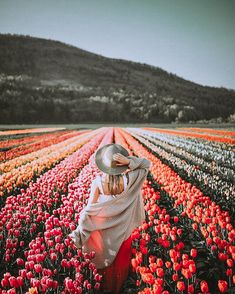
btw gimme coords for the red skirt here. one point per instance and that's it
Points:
(116, 274)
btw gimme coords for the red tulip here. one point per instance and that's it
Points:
(4, 282)
(34, 282)
(55, 284)
(69, 283)
(175, 277)
(180, 286)
(204, 286)
(153, 267)
(159, 262)
(191, 289)
(148, 278)
(97, 286)
(168, 264)
(20, 261)
(193, 252)
(230, 262)
(223, 286)
(13, 282)
(38, 268)
(29, 275)
(176, 219)
(160, 272)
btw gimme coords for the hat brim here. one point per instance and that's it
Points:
(99, 156)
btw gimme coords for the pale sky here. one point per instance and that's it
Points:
(194, 39)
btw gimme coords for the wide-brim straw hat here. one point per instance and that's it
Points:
(104, 159)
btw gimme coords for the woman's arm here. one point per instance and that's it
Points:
(138, 166)
(76, 235)
(132, 162)
(138, 170)
(94, 193)
(138, 163)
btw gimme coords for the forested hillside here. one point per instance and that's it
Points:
(45, 81)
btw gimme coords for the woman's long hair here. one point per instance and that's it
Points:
(114, 184)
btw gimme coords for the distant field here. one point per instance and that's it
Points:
(98, 125)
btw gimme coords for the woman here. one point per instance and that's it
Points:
(114, 209)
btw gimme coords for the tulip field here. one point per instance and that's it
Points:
(185, 245)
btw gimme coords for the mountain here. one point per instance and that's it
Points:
(46, 81)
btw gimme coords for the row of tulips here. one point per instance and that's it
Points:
(10, 142)
(23, 216)
(161, 260)
(205, 216)
(29, 131)
(218, 154)
(194, 135)
(38, 162)
(52, 262)
(185, 152)
(22, 160)
(224, 133)
(196, 131)
(38, 143)
(220, 191)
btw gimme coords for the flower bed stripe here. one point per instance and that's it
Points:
(194, 135)
(28, 139)
(225, 133)
(29, 131)
(45, 140)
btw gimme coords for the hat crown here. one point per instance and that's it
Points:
(104, 159)
(108, 156)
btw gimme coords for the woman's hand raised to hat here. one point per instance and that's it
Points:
(121, 159)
